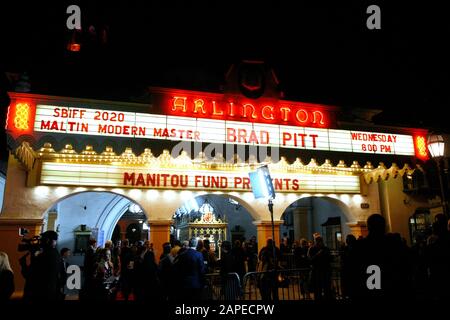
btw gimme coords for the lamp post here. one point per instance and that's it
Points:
(262, 187)
(436, 146)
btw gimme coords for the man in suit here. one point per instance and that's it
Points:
(190, 269)
(88, 269)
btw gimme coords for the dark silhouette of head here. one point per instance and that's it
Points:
(193, 243)
(200, 246)
(226, 245)
(48, 239)
(166, 248)
(319, 241)
(350, 239)
(376, 225)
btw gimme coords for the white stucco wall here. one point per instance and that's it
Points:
(2, 189)
(97, 210)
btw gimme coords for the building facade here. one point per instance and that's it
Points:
(77, 162)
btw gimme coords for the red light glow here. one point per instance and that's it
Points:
(420, 145)
(238, 108)
(20, 117)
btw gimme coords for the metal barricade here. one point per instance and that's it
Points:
(285, 284)
(218, 287)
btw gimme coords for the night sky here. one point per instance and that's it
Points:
(321, 51)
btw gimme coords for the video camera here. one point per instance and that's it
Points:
(30, 244)
(36, 243)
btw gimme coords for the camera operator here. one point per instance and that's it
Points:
(43, 274)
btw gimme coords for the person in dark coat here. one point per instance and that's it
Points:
(269, 258)
(389, 254)
(147, 286)
(90, 259)
(226, 266)
(6, 278)
(44, 273)
(127, 269)
(320, 257)
(239, 258)
(251, 251)
(189, 269)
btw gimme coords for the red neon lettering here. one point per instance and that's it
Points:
(315, 114)
(199, 104)
(245, 108)
(285, 113)
(215, 112)
(298, 117)
(271, 117)
(231, 113)
(179, 102)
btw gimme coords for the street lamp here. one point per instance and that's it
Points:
(436, 146)
(262, 187)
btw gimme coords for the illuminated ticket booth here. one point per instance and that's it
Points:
(183, 144)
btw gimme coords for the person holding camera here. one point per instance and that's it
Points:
(43, 274)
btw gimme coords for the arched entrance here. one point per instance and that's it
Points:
(328, 216)
(90, 214)
(214, 217)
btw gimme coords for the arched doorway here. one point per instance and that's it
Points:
(90, 214)
(324, 215)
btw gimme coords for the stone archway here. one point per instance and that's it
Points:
(89, 211)
(328, 215)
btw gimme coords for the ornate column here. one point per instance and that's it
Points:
(264, 232)
(300, 221)
(159, 234)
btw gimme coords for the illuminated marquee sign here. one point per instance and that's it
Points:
(85, 121)
(57, 173)
(239, 109)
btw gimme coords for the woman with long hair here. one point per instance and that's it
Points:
(6, 278)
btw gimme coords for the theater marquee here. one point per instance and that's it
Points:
(212, 118)
(62, 173)
(154, 126)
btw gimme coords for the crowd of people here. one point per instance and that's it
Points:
(420, 271)
(131, 271)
